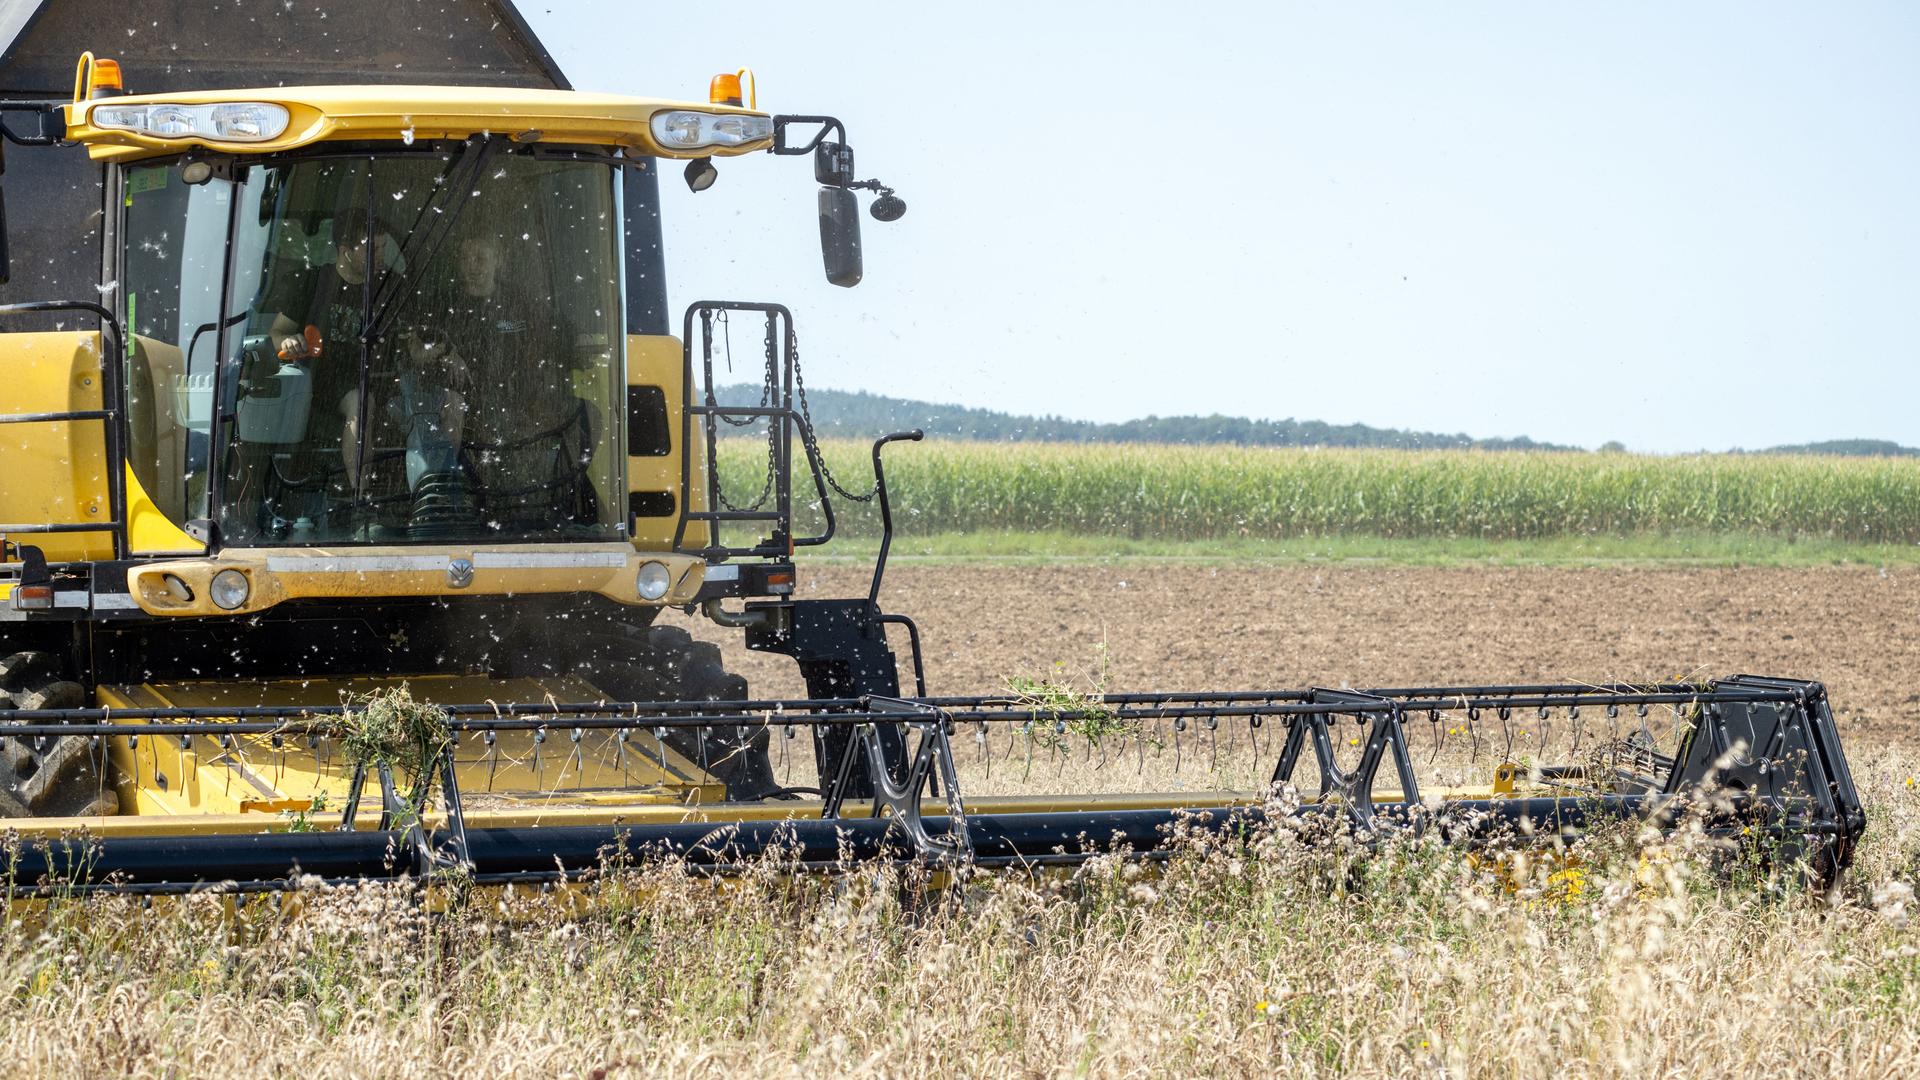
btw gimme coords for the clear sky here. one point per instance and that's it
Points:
(1679, 226)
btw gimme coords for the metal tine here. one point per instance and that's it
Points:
(1028, 727)
(226, 744)
(492, 739)
(1059, 749)
(1213, 743)
(1140, 756)
(660, 742)
(1505, 713)
(1573, 716)
(985, 746)
(1473, 734)
(100, 772)
(539, 767)
(1179, 725)
(579, 759)
(1435, 735)
(620, 753)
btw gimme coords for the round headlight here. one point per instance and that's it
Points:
(229, 589)
(654, 580)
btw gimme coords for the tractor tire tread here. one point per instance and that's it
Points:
(50, 776)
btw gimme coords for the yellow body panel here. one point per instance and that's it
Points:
(258, 781)
(658, 360)
(149, 530)
(325, 113)
(56, 473)
(276, 575)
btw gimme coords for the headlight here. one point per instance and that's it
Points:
(229, 589)
(241, 121)
(684, 129)
(654, 580)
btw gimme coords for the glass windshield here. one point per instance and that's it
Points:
(422, 347)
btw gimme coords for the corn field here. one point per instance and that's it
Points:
(1179, 492)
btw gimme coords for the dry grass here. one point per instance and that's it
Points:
(1280, 957)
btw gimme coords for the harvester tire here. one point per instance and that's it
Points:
(665, 663)
(49, 775)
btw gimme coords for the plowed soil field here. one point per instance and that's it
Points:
(1197, 627)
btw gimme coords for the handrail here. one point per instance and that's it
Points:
(782, 417)
(113, 401)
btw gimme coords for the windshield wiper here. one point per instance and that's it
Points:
(438, 216)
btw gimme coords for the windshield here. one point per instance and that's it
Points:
(419, 347)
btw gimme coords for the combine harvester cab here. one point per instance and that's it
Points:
(335, 553)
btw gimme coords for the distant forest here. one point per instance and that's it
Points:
(862, 415)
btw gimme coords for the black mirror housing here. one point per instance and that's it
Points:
(840, 236)
(833, 164)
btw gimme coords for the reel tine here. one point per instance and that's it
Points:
(1435, 735)
(492, 739)
(1473, 733)
(1179, 725)
(1213, 742)
(1506, 727)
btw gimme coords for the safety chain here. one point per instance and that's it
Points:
(809, 440)
(807, 436)
(766, 397)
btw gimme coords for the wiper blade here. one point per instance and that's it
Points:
(431, 226)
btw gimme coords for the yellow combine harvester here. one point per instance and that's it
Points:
(358, 406)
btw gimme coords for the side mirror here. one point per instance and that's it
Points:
(840, 236)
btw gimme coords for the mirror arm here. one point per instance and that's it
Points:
(781, 145)
(52, 128)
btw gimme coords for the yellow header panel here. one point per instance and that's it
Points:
(325, 113)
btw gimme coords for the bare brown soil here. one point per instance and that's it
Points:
(1186, 627)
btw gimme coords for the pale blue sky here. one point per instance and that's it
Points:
(1680, 226)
